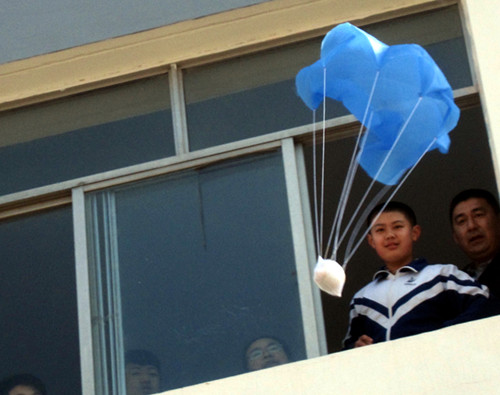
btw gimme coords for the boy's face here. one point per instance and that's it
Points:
(392, 236)
(142, 379)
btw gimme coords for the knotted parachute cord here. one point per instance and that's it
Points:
(350, 252)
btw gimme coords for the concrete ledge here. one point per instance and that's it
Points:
(462, 359)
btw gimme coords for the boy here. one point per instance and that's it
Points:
(142, 372)
(409, 296)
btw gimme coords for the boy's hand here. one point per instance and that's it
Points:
(363, 340)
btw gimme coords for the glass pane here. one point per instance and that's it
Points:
(38, 308)
(206, 266)
(247, 96)
(85, 134)
(254, 95)
(439, 32)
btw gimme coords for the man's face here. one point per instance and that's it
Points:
(265, 353)
(476, 229)
(23, 390)
(392, 236)
(142, 379)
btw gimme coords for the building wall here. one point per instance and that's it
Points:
(482, 27)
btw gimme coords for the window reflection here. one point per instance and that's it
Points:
(85, 134)
(206, 265)
(39, 323)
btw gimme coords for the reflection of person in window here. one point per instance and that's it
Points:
(22, 384)
(265, 353)
(142, 372)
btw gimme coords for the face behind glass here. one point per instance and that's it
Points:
(24, 390)
(265, 353)
(142, 379)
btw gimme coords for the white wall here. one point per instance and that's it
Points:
(481, 22)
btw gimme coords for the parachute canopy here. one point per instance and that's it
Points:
(399, 90)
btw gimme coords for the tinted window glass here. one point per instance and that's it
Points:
(38, 314)
(206, 266)
(85, 134)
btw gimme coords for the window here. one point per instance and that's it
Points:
(249, 96)
(202, 263)
(38, 312)
(255, 94)
(85, 134)
(428, 190)
(434, 181)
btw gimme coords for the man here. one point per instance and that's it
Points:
(265, 353)
(475, 221)
(142, 372)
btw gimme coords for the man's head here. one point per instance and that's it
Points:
(22, 384)
(392, 233)
(142, 372)
(475, 221)
(264, 353)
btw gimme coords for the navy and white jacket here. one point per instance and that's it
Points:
(418, 298)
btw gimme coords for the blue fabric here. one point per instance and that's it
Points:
(351, 60)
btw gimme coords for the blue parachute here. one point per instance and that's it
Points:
(399, 89)
(405, 103)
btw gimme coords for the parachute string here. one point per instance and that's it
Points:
(398, 137)
(315, 187)
(355, 214)
(338, 241)
(351, 172)
(386, 158)
(323, 145)
(349, 254)
(361, 220)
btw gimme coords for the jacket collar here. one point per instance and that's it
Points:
(415, 266)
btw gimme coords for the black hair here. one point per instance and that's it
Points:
(474, 193)
(391, 207)
(26, 379)
(142, 357)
